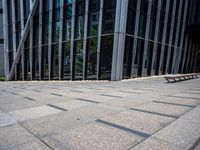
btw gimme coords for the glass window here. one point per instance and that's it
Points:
(164, 63)
(106, 57)
(27, 73)
(55, 61)
(45, 70)
(56, 21)
(91, 66)
(143, 17)
(35, 73)
(131, 16)
(157, 71)
(128, 57)
(67, 24)
(66, 61)
(171, 60)
(80, 19)
(109, 16)
(78, 54)
(138, 58)
(93, 23)
(36, 29)
(45, 24)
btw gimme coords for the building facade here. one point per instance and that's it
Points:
(98, 39)
(1, 41)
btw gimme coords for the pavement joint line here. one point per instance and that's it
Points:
(195, 144)
(111, 96)
(173, 104)
(29, 98)
(77, 91)
(35, 136)
(13, 93)
(123, 128)
(56, 94)
(36, 90)
(191, 93)
(160, 130)
(56, 107)
(184, 97)
(81, 99)
(155, 113)
(131, 92)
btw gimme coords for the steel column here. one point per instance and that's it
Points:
(171, 34)
(99, 37)
(85, 38)
(61, 38)
(155, 45)
(25, 33)
(146, 35)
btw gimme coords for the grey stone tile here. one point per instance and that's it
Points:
(35, 145)
(33, 113)
(47, 98)
(124, 102)
(140, 121)
(69, 105)
(197, 147)
(6, 120)
(12, 136)
(29, 93)
(182, 133)
(93, 136)
(55, 123)
(155, 144)
(196, 96)
(164, 109)
(193, 115)
(97, 110)
(183, 101)
(20, 104)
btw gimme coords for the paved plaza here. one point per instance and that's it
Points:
(138, 114)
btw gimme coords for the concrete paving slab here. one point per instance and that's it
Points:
(46, 98)
(53, 124)
(93, 136)
(155, 144)
(193, 115)
(124, 102)
(14, 135)
(21, 104)
(6, 120)
(9, 99)
(195, 96)
(110, 112)
(35, 145)
(73, 104)
(140, 121)
(183, 101)
(164, 109)
(98, 110)
(182, 133)
(33, 113)
(29, 93)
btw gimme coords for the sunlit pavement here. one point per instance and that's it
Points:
(138, 114)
